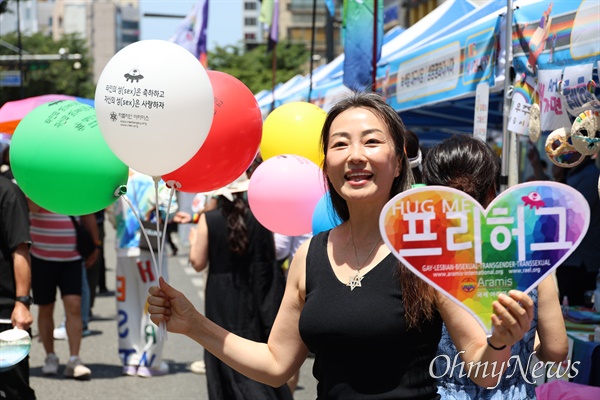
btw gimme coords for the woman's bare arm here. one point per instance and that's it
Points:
(553, 344)
(272, 363)
(511, 319)
(198, 238)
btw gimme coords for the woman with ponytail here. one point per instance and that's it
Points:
(244, 286)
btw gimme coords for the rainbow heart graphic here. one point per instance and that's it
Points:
(470, 254)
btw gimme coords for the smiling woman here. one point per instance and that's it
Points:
(348, 300)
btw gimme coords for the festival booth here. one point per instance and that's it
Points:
(265, 100)
(438, 78)
(424, 82)
(327, 80)
(298, 89)
(330, 73)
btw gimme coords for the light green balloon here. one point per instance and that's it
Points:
(61, 162)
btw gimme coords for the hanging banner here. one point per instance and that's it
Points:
(552, 111)
(577, 89)
(472, 255)
(522, 99)
(482, 102)
(553, 34)
(359, 17)
(448, 68)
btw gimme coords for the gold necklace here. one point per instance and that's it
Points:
(355, 281)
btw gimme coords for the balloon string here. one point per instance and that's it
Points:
(161, 335)
(157, 218)
(137, 216)
(164, 236)
(162, 327)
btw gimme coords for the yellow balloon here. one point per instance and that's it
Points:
(294, 128)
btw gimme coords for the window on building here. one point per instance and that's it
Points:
(250, 21)
(301, 5)
(298, 34)
(130, 38)
(250, 5)
(417, 9)
(128, 24)
(250, 36)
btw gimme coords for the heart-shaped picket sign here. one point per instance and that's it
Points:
(470, 254)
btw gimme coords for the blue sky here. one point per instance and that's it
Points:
(224, 20)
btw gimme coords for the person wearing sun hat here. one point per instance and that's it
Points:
(244, 285)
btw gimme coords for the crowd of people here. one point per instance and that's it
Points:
(373, 327)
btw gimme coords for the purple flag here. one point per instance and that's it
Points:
(191, 33)
(274, 32)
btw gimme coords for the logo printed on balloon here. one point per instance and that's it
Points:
(472, 255)
(61, 161)
(133, 75)
(232, 141)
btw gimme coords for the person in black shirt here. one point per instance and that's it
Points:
(15, 282)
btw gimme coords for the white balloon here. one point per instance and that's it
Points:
(154, 105)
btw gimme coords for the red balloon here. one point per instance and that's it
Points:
(232, 142)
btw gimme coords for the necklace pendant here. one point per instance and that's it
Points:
(355, 281)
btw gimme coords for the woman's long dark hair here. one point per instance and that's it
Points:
(464, 163)
(418, 296)
(235, 214)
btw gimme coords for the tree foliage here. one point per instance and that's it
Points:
(49, 77)
(3, 6)
(254, 67)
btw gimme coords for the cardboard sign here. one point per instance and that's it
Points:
(470, 254)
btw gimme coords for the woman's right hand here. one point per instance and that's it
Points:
(512, 317)
(171, 306)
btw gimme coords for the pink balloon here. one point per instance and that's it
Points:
(283, 193)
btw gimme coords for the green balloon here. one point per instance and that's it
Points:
(61, 162)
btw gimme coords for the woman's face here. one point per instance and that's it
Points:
(361, 160)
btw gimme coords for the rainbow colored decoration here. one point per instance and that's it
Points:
(525, 90)
(470, 254)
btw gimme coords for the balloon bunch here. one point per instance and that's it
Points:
(287, 191)
(159, 112)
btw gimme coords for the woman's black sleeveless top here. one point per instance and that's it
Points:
(362, 348)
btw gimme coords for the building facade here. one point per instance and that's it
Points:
(251, 26)
(106, 25)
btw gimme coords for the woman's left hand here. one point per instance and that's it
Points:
(511, 319)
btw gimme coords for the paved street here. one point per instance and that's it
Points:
(99, 351)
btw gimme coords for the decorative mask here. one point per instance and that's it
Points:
(561, 151)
